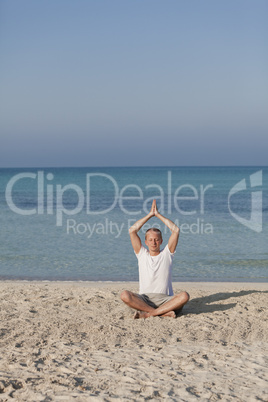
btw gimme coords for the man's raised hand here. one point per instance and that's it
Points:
(154, 210)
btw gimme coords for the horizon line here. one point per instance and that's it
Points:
(131, 166)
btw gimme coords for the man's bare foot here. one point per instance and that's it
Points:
(143, 314)
(170, 314)
(140, 314)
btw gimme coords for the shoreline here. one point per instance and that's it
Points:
(78, 341)
(117, 284)
(234, 282)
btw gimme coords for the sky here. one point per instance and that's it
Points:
(133, 83)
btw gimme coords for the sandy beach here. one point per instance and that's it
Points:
(76, 341)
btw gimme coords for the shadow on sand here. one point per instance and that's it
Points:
(206, 304)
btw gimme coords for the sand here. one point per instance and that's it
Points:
(76, 341)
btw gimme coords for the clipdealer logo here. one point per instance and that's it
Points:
(50, 197)
(50, 200)
(255, 220)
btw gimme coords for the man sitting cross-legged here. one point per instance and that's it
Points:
(155, 296)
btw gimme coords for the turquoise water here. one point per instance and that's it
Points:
(72, 223)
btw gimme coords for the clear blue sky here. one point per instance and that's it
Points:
(133, 82)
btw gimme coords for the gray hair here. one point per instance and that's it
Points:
(154, 230)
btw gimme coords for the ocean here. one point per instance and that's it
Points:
(72, 223)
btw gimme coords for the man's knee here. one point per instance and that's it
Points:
(184, 297)
(125, 296)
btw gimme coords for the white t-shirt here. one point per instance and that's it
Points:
(155, 272)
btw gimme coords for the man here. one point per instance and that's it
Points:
(155, 296)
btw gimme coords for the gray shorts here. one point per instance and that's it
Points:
(155, 299)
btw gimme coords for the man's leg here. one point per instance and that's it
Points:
(176, 303)
(135, 302)
(165, 310)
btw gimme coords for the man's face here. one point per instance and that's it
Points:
(153, 242)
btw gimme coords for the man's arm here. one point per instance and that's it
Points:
(175, 231)
(133, 230)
